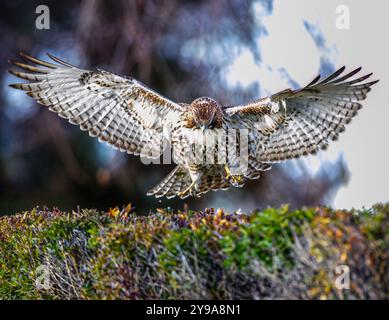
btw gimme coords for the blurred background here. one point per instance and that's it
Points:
(231, 50)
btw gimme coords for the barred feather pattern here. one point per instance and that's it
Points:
(174, 183)
(134, 119)
(120, 111)
(312, 116)
(212, 178)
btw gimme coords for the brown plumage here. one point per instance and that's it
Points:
(204, 112)
(214, 146)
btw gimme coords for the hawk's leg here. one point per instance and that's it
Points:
(228, 172)
(182, 193)
(235, 180)
(191, 189)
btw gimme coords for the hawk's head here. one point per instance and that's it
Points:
(204, 113)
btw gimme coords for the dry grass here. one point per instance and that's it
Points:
(275, 253)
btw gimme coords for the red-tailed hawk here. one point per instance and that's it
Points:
(214, 146)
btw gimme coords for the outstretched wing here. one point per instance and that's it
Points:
(121, 111)
(291, 123)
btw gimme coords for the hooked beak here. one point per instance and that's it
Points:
(203, 127)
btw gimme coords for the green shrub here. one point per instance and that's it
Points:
(274, 253)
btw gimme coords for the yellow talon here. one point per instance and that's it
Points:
(228, 172)
(237, 179)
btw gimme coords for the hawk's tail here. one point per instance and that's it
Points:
(175, 182)
(213, 177)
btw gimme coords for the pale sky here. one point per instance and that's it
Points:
(289, 45)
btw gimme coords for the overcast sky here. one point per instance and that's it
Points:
(303, 39)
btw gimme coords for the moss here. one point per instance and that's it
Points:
(274, 253)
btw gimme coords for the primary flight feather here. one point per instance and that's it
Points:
(214, 146)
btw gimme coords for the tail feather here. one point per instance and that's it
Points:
(213, 177)
(175, 182)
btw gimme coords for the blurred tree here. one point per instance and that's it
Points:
(178, 48)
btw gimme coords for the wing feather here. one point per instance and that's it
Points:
(120, 111)
(305, 120)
